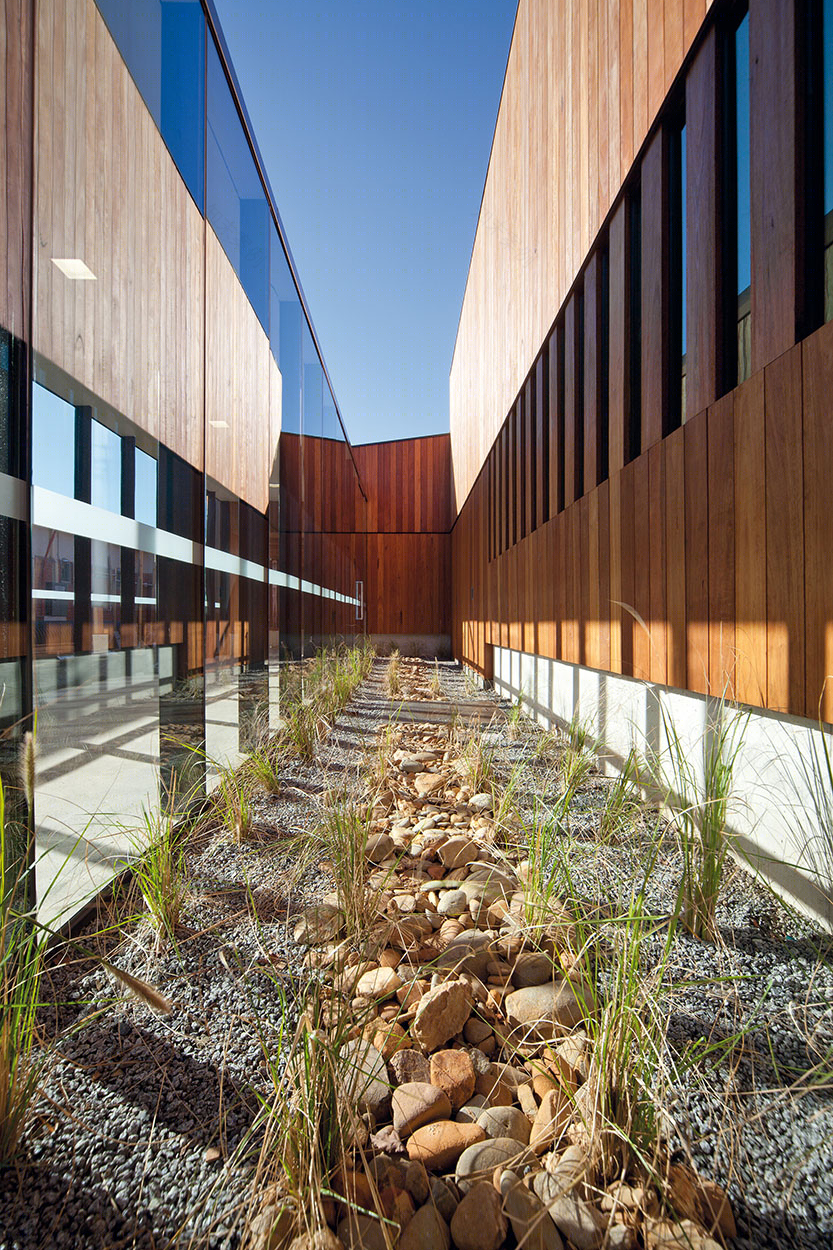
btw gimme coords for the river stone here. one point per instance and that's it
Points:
(439, 1145)
(360, 1232)
(452, 903)
(470, 952)
(378, 983)
(478, 1162)
(318, 924)
(441, 1014)
(444, 1196)
(532, 968)
(427, 783)
(543, 1010)
(480, 802)
(410, 1065)
(469, 1113)
(581, 1224)
(457, 852)
(426, 1231)
(476, 1031)
(378, 847)
(554, 1114)
(321, 1239)
(416, 1181)
(531, 1225)
(504, 1122)
(453, 1072)
(479, 1222)
(415, 1104)
(368, 1082)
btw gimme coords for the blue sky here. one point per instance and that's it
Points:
(375, 121)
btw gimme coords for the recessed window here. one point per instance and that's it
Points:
(743, 282)
(677, 274)
(633, 364)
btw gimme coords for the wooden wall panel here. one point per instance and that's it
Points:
(237, 388)
(750, 682)
(817, 387)
(775, 222)
(408, 483)
(697, 552)
(721, 497)
(583, 84)
(703, 267)
(104, 182)
(784, 471)
(675, 557)
(16, 155)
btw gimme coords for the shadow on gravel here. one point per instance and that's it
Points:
(155, 1074)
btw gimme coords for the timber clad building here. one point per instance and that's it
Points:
(633, 513)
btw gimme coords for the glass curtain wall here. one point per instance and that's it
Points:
(159, 603)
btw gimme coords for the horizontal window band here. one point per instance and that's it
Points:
(14, 500)
(83, 520)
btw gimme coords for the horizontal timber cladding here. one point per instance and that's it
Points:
(16, 162)
(703, 564)
(104, 183)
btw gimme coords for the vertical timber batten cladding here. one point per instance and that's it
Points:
(683, 536)
(408, 591)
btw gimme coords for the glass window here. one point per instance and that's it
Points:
(53, 438)
(236, 203)
(106, 468)
(743, 218)
(145, 503)
(286, 334)
(677, 277)
(313, 387)
(162, 42)
(827, 140)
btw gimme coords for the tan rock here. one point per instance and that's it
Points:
(427, 783)
(378, 983)
(532, 968)
(321, 1239)
(550, 1123)
(456, 852)
(476, 1031)
(415, 1103)
(478, 1161)
(426, 1231)
(453, 1072)
(505, 1122)
(410, 1065)
(580, 1223)
(531, 1225)
(378, 847)
(441, 1014)
(543, 1010)
(439, 1145)
(479, 1222)
(669, 1235)
(367, 1080)
(390, 1039)
(318, 924)
(416, 1181)
(361, 1232)
(272, 1228)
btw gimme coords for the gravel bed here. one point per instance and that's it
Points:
(146, 1132)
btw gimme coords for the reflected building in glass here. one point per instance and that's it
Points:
(180, 510)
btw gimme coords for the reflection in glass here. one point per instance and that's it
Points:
(145, 488)
(285, 333)
(53, 437)
(106, 468)
(236, 203)
(827, 140)
(744, 244)
(162, 42)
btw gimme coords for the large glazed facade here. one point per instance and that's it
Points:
(161, 388)
(641, 390)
